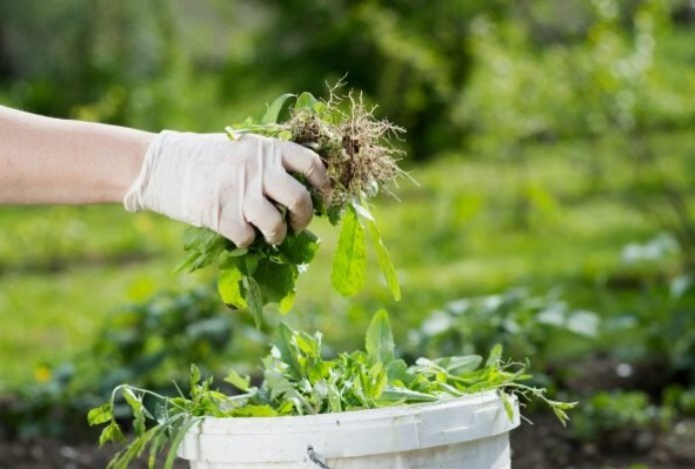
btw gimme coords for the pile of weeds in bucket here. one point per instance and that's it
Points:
(298, 380)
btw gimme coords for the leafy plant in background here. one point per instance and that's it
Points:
(151, 342)
(360, 161)
(299, 381)
(611, 88)
(524, 324)
(607, 412)
(680, 399)
(147, 344)
(660, 323)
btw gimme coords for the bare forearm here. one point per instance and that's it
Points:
(55, 161)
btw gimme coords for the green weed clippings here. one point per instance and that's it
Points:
(361, 160)
(299, 381)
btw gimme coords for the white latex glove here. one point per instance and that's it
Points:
(227, 186)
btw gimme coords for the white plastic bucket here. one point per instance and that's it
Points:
(471, 432)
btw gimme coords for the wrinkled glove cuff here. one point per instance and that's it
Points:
(134, 199)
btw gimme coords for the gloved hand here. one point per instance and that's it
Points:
(227, 186)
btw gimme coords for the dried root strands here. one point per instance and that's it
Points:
(356, 147)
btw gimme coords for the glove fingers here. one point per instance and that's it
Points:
(234, 227)
(263, 215)
(287, 191)
(302, 160)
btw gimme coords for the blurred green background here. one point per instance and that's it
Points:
(553, 144)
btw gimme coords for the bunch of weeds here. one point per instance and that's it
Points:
(361, 155)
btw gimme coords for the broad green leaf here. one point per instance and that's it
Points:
(459, 364)
(379, 340)
(276, 281)
(243, 383)
(289, 352)
(397, 370)
(229, 286)
(307, 344)
(272, 114)
(238, 252)
(101, 414)
(286, 303)
(387, 267)
(306, 101)
(350, 261)
(254, 300)
(300, 248)
(277, 384)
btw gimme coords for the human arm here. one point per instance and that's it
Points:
(55, 161)
(202, 179)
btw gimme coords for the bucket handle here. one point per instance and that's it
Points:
(315, 458)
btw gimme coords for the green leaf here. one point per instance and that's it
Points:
(459, 364)
(158, 443)
(101, 414)
(506, 402)
(275, 281)
(131, 398)
(204, 247)
(397, 370)
(238, 252)
(138, 410)
(300, 248)
(379, 340)
(112, 432)
(397, 394)
(176, 442)
(306, 101)
(229, 286)
(287, 302)
(240, 382)
(272, 114)
(495, 356)
(562, 405)
(289, 352)
(254, 299)
(387, 267)
(350, 261)
(195, 376)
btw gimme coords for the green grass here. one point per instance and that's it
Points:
(473, 226)
(62, 270)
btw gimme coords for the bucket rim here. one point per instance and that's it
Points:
(401, 410)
